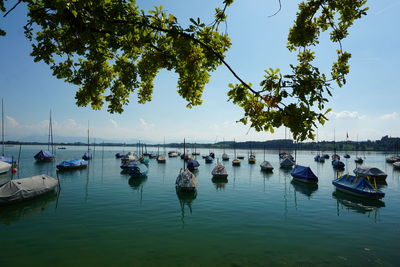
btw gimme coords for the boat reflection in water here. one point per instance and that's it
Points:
(20, 211)
(306, 189)
(357, 204)
(219, 182)
(185, 198)
(136, 182)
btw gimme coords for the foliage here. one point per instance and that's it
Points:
(111, 49)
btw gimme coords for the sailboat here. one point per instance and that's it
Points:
(46, 155)
(87, 155)
(195, 153)
(358, 159)
(8, 161)
(186, 181)
(219, 171)
(252, 157)
(336, 163)
(225, 156)
(161, 158)
(236, 161)
(265, 165)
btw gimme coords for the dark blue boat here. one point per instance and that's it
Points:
(337, 164)
(138, 170)
(304, 174)
(317, 157)
(358, 186)
(209, 159)
(87, 156)
(44, 155)
(326, 156)
(72, 164)
(126, 165)
(119, 155)
(346, 156)
(192, 164)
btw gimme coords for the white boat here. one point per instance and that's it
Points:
(396, 165)
(219, 171)
(4, 167)
(266, 166)
(19, 190)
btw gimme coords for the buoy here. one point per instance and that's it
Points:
(14, 170)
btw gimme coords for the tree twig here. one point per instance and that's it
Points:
(11, 9)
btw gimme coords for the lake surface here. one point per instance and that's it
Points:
(102, 217)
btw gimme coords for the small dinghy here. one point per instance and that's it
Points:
(219, 171)
(73, 164)
(371, 172)
(19, 190)
(186, 181)
(357, 186)
(304, 174)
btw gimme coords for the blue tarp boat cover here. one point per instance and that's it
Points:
(138, 170)
(72, 163)
(44, 154)
(129, 164)
(337, 164)
(193, 164)
(304, 173)
(8, 160)
(357, 186)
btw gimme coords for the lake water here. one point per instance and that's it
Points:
(102, 217)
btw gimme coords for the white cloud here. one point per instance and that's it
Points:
(346, 115)
(145, 125)
(390, 116)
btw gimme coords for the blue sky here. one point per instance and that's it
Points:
(367, 106)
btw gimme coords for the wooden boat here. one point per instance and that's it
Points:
(4, 167)
(219, 171)
(370, 172)
(138, 170)
(358, 186)
(186, 181)
(19, 190)
(304, 174)
(73, 164)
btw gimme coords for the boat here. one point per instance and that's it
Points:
(346, 156)
(4, 167)
(338, 164)
(208, 159)
(240, 157)
(161, 158)
(252, 157)
(87, 155)
(193, 165)
(219, 171)
(236, 161)
(195, 153)
(335, 157)
(358, 160)
(138, 170)
(73, 164)
(304, 174)
(265, 165)
(127, 165)
(172, 154)
(119, 155)
(212, 154)
(321, 159)
(286, 163)
(225, 156)
(186, 181)
(326, 156)
(358, 186)
(392, 159)
(44, 155)
(370, 172)
(19, 190)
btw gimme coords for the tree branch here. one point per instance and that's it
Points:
(19, 2)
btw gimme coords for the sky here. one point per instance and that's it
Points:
(365, 108)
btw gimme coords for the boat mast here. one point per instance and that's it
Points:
(234, 147)
(51, 134)
(184, 149)
(2, 126)
(88, 137)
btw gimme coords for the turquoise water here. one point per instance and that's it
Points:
(102, 217)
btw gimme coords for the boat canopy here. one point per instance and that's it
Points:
(43, 154)
(73, 163)
(193, 164)
(358, 185)
(9, 160)
(4, 167)
(286, 163)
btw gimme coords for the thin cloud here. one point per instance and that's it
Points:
(346, 115)
(390, 116)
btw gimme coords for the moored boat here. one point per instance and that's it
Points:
(358, 186)
(193, 165)
(186, 181)
(73, 164)
(219, 171)
(208, 159)
(286, 163)
(4, 167)
(338, 164)
(266, 166)
(138, 170)
(358, 160)
(370, 172)
(304, 174)
(44, 155)
(19, 190)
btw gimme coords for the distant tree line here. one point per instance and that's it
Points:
(386, 143)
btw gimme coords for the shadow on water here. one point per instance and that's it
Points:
(219, 183)
(16, 212)
(304, 188)
(357, 204)
(185, 199)
(137, 182)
